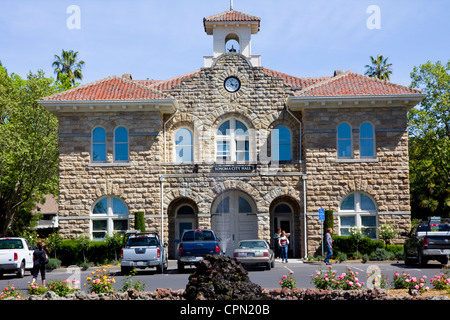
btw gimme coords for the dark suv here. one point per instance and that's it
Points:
(430, 240)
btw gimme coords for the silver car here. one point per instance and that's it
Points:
(255, 252)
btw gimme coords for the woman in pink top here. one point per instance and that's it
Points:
(283, 242)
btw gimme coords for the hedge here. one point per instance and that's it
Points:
(345, 244)
(70, 253)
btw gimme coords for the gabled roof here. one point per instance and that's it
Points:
(354, 84)
(230, 17)
(163, 85)
(295, 82)
(110, 89)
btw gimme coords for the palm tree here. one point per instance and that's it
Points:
(379, 68)
(68, 65)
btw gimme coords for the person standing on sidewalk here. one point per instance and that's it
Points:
(284, 243)
(276, 237)
(329, 245)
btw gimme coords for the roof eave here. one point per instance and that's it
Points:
(156, 105)
(210, 25)
(298, 103)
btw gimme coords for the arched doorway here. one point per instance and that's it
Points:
(285, 214)
(283, 218)
(234, 219)
(182, 213)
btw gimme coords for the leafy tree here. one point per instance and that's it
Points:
(379, 68)
(429, 130)
(69, 65)
(28, 143)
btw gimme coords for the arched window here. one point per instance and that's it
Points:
(121, 144)
(233, 142)
(358, 210)
(344, 141)
(99, 144)
(109, 215)
(232, 43)
(281, 144)
(184, 151)
(367, 140)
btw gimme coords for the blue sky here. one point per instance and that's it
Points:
(160, 39)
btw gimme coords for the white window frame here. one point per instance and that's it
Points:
(233, 139)
(109, 216)
(276, 144)
(373, 155)
(358, 213)
(127, 143)
(102, 143)
(338, 139)
(191, 145)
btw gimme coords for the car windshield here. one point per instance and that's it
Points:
(142, 241)
(252, 245)
(11, 244)
(195, 235)
(435, 227)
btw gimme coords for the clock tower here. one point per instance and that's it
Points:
(235, 28)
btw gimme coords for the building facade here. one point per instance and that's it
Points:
(235, 147)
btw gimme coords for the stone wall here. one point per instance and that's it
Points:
(385, 178)
(83, 182)
(260, 104)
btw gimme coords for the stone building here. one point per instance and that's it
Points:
(235, 147)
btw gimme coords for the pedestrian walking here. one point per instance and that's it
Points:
(276, 237)
(283, 242)
(329, 245)
(40, 259)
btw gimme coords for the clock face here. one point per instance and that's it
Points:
(232, 84)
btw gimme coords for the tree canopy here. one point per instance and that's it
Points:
(379, 68)
(68, 64)
(429, 130)
(28, 143)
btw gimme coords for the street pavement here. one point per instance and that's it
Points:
(269, 279)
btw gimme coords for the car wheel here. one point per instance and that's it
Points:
(21, 271)
(125, 270)
(422, 261)
(180, 267)
(406, 260)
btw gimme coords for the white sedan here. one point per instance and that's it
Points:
(255, 252)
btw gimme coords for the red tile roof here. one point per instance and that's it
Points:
(111, 88)
(295, 82)
(353, 84)
(231, 15)
(163, 85)
(345, 84)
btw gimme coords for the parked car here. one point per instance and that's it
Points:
(16, 256)
(195, 244)
(143, 250)
(430, 240)
(255, 252)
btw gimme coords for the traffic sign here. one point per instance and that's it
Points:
(321, 214)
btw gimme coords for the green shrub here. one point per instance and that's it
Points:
(53, 264)
(381, 254)
(346, 245)
(139, 221)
